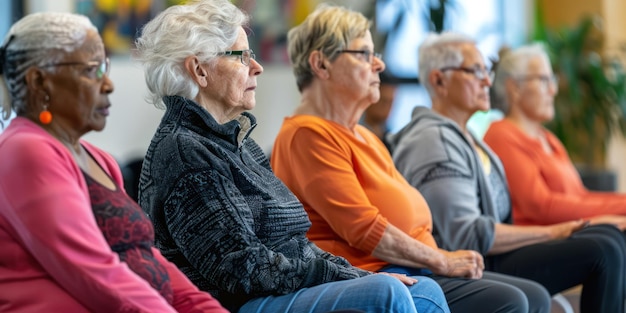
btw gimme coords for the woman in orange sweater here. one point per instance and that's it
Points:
(545, 187)
(359, 205)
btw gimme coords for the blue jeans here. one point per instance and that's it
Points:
(374, 293)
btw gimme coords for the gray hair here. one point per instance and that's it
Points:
(438, 51)
(327, 29)
(33, 41)
(513, 64)
(203, 28)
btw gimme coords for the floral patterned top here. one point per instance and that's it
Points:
(129, 233)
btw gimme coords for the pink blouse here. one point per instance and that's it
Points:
(54, 257)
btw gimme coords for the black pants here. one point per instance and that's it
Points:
(493, 293)
(594, 257)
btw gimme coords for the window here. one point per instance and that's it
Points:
(9, 11)
(405, 26)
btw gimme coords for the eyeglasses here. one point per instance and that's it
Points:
(480, 73)
(94, 69)
(244, 55)
(546, 81)
(367, 55)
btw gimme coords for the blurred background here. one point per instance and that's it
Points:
(594, 28)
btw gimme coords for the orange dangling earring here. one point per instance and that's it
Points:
(45, 117)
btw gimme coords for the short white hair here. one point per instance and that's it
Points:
(33, 41)
(513, 64)
(439, 51)
(202, 28)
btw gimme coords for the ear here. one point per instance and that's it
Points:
(318, 64)
(513, 89)
(195, 70)
(437, 80)
(38, 83)
(35, 78)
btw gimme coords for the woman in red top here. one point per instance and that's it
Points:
(72, 239)
(545, 187)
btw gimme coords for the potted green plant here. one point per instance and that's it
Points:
(590, 107)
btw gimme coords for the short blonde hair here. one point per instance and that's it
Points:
(327, 29)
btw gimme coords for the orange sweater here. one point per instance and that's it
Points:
(545, 188)
(350, 189)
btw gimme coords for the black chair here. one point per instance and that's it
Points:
(131, 172)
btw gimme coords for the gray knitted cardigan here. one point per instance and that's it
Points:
(221, 215)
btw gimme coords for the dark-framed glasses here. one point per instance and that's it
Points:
(480, 73)
(244, 55)
(545, 81)
(367, 54)
(95, 69)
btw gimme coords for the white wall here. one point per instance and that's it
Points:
(133, 121)
(32, 6)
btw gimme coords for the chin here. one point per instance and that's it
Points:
(249, 106)
(481, 106)
(98, 126)
(545, 119)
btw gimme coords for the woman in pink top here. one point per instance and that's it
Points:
(545, 187)
(72, 240)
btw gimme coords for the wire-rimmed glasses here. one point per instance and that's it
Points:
(95, 69)
(478, 72)
(367, 54)
(244, 55)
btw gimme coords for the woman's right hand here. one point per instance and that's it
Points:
(565, 229)
(461, 263)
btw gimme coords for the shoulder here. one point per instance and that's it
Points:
(185, 148)
(499, 131)
(312, 130)
(306, 123)
(30, 148)
(431, 142)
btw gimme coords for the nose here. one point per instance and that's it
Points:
(107, 86)
(378, 65)
(553, 88)
(487, 80)
(255, 67)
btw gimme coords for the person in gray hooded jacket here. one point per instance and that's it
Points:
(465, 187)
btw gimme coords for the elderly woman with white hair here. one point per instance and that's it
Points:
(545, 186)
(466, 188)
(220, 213)
(72, 239)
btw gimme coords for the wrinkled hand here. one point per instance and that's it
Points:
(565, 229)
(409, 281)
(615, 220)
(462, 263)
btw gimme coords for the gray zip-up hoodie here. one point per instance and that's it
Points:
(435, 156)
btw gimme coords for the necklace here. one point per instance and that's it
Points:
(80, 156)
